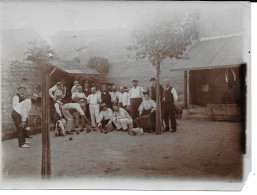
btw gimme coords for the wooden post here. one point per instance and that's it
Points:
(45, 105)
(158, 104)
(185, 89)
(43, 122)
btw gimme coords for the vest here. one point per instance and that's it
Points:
(168, 96)
(87, 93)
(21, 98)
(106, 98)
(153, 92)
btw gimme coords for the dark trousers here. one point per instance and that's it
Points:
(134, 105)
(169, 114)
(87, 112)
(105, 122)
(21, 132)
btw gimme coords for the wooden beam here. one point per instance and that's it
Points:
(45, 128)
(185, 89)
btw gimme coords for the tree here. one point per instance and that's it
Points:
(160, 35)
(100, 64)
(41, 52)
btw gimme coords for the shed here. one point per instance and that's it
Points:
(216, 71)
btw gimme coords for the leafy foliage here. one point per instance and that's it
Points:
(40, 52)
(164, 35)
(100, 64)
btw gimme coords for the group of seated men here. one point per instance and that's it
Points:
(113, 109)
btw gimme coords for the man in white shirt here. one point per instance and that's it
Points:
(19, 97)
(67, 110)
(135, 99)
(121, 119)
(123, 98)
(104, 116)
(115, 95)
(20, 115)
(74, 88)
(169, 97)
(94, 99)
(58, 89)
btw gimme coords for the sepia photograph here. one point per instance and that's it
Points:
(132, 95)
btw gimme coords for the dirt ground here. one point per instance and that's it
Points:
(199, 150)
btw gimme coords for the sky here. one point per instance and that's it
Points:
(48, 18)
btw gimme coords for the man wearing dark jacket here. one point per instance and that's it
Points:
(153, 90)
(105, 97)
(169, 97)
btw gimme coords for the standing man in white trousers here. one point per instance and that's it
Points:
(94, 100)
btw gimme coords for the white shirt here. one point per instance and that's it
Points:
(73, 89)
(15, 101)
(93, 98)
(147, 105)
(58, 92)
(115, 96)
(135, 93)
(73, 106)
(78, 96)
(124, 99)
(105, 114)
(174, 92)
(53, 93)
(121, 114)
(23, 109)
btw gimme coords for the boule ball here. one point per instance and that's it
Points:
(70, 138)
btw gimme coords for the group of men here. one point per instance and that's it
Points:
(107, 110)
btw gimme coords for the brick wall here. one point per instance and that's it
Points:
(13, 74)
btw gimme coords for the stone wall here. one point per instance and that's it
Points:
(14, 74)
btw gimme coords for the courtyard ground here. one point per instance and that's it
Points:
(199, 150)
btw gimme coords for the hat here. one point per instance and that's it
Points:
(152, 79)
(21, 86)
(145, 93)
(104, 104)
(135, 81)
(34, 96)
(79, 87)
(59, 83)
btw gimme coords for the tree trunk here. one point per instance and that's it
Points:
(158, 101)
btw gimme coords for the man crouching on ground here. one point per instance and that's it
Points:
(121, 119)
(104, 118)
(66, 111)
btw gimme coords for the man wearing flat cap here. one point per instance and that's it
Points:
(135, 99)
(153, 90)
(20, 115)
(105, 96)
(19, 97)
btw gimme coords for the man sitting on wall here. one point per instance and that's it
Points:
(58, 89)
